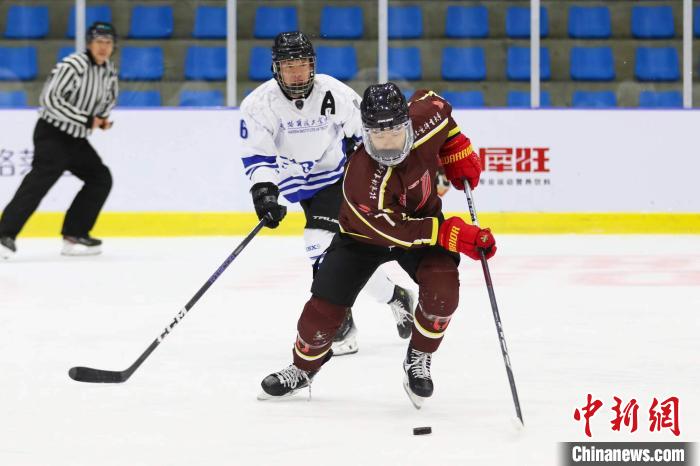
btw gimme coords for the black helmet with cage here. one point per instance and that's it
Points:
(386, 128)
(294, 49)
(101, 29)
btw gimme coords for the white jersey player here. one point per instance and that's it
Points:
(299, 128)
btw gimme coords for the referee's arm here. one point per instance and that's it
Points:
(111, 99)
(64, 79)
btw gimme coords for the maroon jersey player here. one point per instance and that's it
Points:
(392, 212)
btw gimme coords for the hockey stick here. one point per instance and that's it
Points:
(87, 374)
(494, 307)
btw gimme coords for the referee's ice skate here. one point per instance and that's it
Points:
(81, 246)
(7, 247)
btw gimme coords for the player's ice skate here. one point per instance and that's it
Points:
(417, 381)
(345, 341)
(7, 247)
(285, 383)
(83, 246)
(402, 305)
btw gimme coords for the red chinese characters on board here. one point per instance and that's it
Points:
(514, 159)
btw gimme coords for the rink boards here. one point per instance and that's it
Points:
(178, 172)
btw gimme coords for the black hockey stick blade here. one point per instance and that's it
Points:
(88, 374)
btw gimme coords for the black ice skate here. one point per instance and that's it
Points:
(285, 383)
(345, 340)
(417, 381)
(7, 247)
(402, 306)
(81, 246)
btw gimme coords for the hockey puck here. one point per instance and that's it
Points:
(422, 430)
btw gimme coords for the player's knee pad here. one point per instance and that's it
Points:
(319, 322)
(317, 326)
(438, 280)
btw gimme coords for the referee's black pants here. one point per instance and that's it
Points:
(54, 153)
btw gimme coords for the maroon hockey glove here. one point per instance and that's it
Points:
(265, 201)
(457, 236)
(460, 161)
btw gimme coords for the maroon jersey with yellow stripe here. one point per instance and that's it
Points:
(399, 206)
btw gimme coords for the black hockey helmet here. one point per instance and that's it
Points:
(384, 121)
(383, 105)
(101, 29)
(293, 46)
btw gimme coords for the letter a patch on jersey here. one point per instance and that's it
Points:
(328, 103)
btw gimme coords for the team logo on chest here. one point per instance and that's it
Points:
(426, 188)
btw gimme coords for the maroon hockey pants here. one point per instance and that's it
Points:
(346, 268)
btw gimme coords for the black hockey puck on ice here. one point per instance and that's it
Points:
(422, 430)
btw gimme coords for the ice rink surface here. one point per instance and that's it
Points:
(605, 315)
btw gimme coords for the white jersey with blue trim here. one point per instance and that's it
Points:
(299, 149)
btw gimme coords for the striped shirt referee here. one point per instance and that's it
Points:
(77, 98)
(77, 90)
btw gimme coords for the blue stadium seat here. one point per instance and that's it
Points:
(464, 99)
(260, 64)
(405, 63)
(589, 22)
(339, 62)
(270, 21)
(592, 64)
(18, 63)
(27, 22)
(594, 99)
(463, 64)
(652, 22)
(209, 22)
(13, 99)
(518, 22)
(151, 22)
(63, 52)
(205, 63)
(141, 64)
(407, 92)
(405, 22)
(139, 98)
(341, 22)
(201, 99)
(463, 22)
(518, 68)
(92, 14)
(662, 99)
(696, 21)
(657, 64)
(521, 99)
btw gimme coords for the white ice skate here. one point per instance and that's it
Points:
(7, 247)
(402, 305)
(345, 341)
(83, 246)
